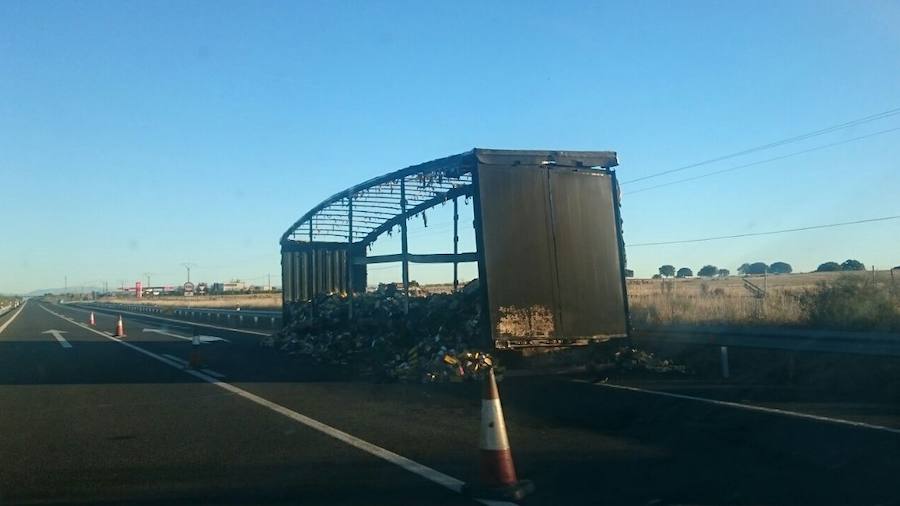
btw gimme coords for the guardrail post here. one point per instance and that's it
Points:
(723, 354)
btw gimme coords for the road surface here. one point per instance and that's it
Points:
(87, 419)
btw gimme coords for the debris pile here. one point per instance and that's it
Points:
(436, 341)
(633, 359)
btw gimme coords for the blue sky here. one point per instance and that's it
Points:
(138, 135)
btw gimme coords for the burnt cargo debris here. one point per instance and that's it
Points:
(436, 340)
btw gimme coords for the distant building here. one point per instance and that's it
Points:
(229, 287)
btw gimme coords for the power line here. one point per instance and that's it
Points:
(789, 140)
(760, 162)
(770, 232)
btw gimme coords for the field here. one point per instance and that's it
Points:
(730, 301)
(244, 301)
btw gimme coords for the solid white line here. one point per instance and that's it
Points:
(181, 361)
(184, 364)
(13, 317)
(412, 466)
(213, 373)
(750, 407)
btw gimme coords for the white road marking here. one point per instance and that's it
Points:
(13, 317)
(58, 335)
(184, 365)
(212, 339)
(412, 466)
(173, 358)
(203, 339)
(213, 373)
(750, 407)
(157, 331)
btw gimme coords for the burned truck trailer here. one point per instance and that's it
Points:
(548, 236)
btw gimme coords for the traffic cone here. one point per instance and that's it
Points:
(91, 321)
(498, 474)
(120, 328)
(195, 351)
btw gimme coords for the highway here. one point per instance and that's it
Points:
(91, 419)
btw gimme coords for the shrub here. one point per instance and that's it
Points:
(851, 303)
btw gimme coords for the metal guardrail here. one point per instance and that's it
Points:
(832, 341)
(226, 317)
(269, 319)
(774, 338)
(9, 307)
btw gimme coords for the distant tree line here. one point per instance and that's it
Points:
(747, 268)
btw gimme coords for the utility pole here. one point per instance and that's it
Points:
(148, 274)
(188, 265)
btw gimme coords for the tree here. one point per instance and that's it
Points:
(757, 268)
(743, 269)
(657, 276)
(667, 271)
(781, 268)
(708, 271)
(629, 273)
(829, 267)
(723, 273)
(684, 272)
(852, 265)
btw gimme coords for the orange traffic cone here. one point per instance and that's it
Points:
(91, 321)
(498, 474)
(120, 328)
(195, 351)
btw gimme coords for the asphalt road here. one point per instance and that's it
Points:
(96, 421)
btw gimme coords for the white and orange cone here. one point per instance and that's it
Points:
(195, 351)
(91, 321)
(498, 474)
(120, 328)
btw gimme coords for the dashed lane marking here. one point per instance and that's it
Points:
(430, 474)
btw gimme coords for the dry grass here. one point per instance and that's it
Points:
(780, 307)
(727, 301)
(244, 301)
